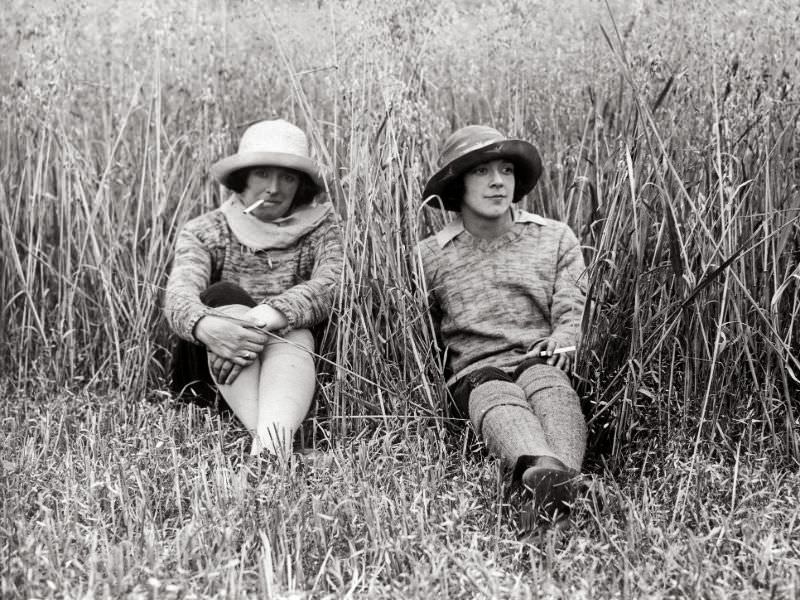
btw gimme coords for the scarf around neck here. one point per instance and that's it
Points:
(277, 234)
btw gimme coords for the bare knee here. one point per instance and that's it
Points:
(297, 342)
(234, 310)
(300, 337)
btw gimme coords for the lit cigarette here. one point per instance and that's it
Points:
(254, 206)
(563, 350)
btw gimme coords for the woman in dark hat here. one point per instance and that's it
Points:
(250, 279)
(506, 287)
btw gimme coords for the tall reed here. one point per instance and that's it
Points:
(675, 163)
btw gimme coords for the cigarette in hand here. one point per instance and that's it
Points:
(254, 206)
(558, 351)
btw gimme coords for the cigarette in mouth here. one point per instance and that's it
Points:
(558, 351)
(254, 206)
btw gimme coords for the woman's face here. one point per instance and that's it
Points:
(274, 188)
(489, 190)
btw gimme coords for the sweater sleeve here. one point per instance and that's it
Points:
(190, 275)
(310, 302)
(568, 291)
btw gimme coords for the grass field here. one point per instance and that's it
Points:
(670, 136)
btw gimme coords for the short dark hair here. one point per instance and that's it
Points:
(306, 189)
(237, 180)
(456, 191)
(456, 188)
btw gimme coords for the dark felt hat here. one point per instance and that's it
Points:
(475, 144)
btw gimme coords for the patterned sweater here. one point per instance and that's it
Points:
(298, 279)
(493, 299)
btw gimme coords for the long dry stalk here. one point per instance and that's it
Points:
(675, 169)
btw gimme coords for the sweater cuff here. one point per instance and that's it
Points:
(191, 325)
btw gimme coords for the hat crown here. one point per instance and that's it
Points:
(275, 143)
(466, 140)
(277, 136)
(476, 144)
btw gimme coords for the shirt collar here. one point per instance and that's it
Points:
(455, 227)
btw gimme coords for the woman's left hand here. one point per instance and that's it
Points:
(545, 348)
(225, 371)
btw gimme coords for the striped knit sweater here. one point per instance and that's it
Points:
(299, 280)
(493, 299)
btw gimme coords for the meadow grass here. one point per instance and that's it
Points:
(670, 139)
(164, 501)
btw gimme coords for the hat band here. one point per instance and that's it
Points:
(460, 151)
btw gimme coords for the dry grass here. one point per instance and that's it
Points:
(671, 146)
(163, 501)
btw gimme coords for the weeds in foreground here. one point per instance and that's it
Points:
(679, 174)
(114, 499)
(670, 146)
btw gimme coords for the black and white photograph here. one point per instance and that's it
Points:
(400, 299)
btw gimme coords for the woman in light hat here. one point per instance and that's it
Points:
(506, 290)
(250, 279)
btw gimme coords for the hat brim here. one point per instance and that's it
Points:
(223, 168)
(527, 170)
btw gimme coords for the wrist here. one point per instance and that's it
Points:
(198, 330)
(270, 316)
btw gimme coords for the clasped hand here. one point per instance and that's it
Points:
(545, 348)
(234, 344)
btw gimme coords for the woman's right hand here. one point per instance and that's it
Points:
(222, 370)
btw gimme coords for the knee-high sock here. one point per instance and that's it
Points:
(557, 406)
(286, 388)
(500, 414)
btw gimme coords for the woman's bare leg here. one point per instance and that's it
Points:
(286, 389)
(242, 394)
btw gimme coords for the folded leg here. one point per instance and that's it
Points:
(286, 389)
(557, 406)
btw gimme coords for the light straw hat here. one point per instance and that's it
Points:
(475, 144)
(270, 143)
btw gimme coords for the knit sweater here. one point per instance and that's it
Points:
(493, 299)
(298, 279)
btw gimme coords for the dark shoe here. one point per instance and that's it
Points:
(552, 485)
